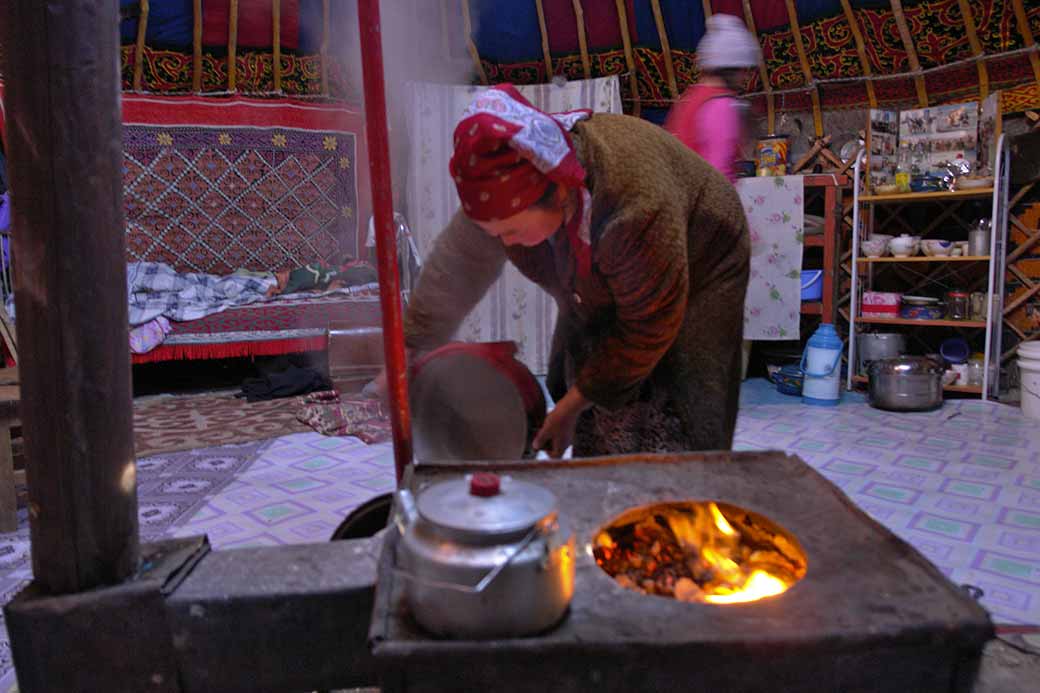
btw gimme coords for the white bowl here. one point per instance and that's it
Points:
(970, 183)
(874, 247)
(933, 247)
(904, 246)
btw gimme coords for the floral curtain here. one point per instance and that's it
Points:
(772, 307)
(514, 308)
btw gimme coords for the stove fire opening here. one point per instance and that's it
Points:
(699, 551)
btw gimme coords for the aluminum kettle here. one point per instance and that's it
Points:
(484, 557)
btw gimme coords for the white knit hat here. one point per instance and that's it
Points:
(727, 43)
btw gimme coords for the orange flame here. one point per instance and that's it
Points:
(709, 535)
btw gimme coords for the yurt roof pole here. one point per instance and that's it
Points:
(386, 243)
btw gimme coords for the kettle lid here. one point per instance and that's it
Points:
(484, 506)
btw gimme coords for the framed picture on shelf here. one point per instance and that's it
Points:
(929, 136)
(989, 132)
(882, 140)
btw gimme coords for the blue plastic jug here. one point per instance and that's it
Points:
(821, 362)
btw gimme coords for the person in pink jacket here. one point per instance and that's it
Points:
(709, 118)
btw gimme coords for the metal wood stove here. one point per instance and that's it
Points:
(870, 613)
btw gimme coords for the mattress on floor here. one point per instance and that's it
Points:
(264, 329)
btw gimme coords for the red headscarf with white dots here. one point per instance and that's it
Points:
(507, 152)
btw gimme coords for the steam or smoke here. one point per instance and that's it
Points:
(423, 41)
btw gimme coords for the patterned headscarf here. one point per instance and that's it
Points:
(507, 152)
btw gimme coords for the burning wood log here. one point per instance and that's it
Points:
(695, 552)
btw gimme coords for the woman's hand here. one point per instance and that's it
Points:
(557, 432)
(376, 389)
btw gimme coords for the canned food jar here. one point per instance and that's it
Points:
(771, 155)
(957, 305)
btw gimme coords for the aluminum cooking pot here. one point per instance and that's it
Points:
(906, 383)
(872, 346)
(484, 557)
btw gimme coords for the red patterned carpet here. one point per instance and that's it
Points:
(168, 423)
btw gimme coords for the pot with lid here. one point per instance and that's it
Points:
(906, 383)
(483, 557)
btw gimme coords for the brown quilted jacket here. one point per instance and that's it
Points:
(663, 306)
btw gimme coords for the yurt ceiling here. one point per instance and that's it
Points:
(830, 54)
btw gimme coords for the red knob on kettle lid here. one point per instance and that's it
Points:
(484, 484)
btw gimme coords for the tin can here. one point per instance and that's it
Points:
(771, 155)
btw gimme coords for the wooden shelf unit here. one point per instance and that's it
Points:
(833, 187)
(929, 196)
(922, 258)
(922, 323)
(933, 269)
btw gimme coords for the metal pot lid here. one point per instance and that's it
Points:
(464, 408)
(920, 300)
(484, 506)
(906, 365)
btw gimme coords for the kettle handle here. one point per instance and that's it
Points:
(485, 581)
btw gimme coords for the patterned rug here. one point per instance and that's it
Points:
(214, 185)
(165, 423)
(170, 489)
(298, 490)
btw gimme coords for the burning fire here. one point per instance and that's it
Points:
(699, 552)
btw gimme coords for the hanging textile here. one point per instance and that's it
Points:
(775, 213)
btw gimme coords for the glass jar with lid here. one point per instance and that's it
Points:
(957, 305)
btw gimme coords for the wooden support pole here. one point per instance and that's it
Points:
(276, 43)
(763, 72)
(325, 20)
(142, 30)
(706, 4)
(232, 46)
(626, 39)
(386, 240)
(546, 55)
(662, 33)
(196, 47)
(65, 144)
(803, 59)
(583, 43)
(467, 28)
(911, 52)
(976, 47)
(861, 51)
(1027, 37)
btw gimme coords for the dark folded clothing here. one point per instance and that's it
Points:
(292, 381)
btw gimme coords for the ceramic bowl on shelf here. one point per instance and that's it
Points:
(974, 182)
(933, 247)
(874, 247)
(903, 246)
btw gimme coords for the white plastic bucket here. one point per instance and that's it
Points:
(1029, 375)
